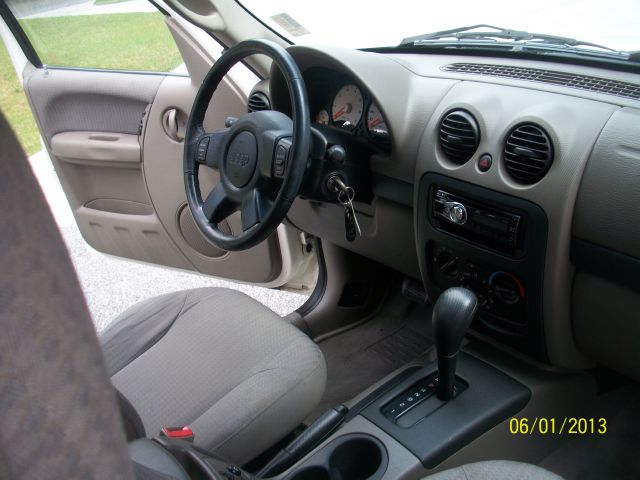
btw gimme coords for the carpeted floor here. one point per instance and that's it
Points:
(360, 357)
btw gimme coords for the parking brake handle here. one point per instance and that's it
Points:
(320, 429)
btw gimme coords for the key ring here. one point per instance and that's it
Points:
(349, 192)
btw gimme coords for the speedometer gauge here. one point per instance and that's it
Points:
(375, 122)
(347, 107)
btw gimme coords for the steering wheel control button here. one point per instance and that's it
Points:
(201, 153)
(242, 158)
(484, 162)
(280, 160)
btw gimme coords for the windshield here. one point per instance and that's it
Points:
(612, 23)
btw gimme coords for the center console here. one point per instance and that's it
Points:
(423, 432)
(431, 411)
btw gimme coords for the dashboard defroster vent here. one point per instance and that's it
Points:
(528, 153)
(459, 136)
(257, 102)
(552, 77)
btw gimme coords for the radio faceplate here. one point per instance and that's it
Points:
(476, 222)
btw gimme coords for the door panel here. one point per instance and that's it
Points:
(90, 122)
(116, 142)
(86, 100)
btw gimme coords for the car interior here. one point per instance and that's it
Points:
(465, 222)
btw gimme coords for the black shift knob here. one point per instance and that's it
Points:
(452, 314)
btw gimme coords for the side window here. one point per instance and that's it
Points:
(111, 34)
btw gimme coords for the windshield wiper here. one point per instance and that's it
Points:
(524, 39)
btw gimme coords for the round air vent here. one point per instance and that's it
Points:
(528, 153)
(258, 101)
(459, 136)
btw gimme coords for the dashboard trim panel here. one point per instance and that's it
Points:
(526, 334)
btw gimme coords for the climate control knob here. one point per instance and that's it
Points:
(508, 289)
(448, 264)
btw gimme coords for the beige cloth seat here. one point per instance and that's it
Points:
(219, 361)
(59, 415)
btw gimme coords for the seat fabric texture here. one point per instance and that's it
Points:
(495, 470)
(57, 408)
(58, 411)
(218, 361)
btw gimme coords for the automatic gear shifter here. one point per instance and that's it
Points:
(452, 315)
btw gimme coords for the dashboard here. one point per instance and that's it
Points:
(495, 174)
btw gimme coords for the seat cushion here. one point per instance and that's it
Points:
(495, 470)
(219, 361)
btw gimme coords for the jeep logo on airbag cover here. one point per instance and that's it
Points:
(241, 159)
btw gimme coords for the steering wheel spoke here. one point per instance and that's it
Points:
(218, 205)
(254, 209)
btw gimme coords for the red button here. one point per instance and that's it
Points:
(484, 162)
(177, 432)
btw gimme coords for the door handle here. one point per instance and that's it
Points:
(171, 125)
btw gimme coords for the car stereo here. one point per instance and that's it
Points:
(476, 222)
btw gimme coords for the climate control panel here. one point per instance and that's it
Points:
(501, 294)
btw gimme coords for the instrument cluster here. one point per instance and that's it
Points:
(337, 101)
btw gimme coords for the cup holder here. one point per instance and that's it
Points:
(349, 457)
(357, 459)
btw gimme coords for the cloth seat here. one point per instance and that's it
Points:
(218, 361)
(58, 411)
(495, 470)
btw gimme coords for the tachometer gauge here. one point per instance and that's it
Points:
(322, 117)
(347, 107)
(375, 122)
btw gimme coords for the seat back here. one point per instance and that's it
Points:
(58, 415)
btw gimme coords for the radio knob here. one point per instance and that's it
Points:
(456, 212)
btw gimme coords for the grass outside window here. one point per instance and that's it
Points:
(122, 41)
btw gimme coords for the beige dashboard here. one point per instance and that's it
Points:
(414, 92)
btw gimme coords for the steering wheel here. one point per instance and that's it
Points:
(262, 156)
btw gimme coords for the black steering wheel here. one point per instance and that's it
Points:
(262, 156)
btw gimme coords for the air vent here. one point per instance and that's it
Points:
(459, 136)
(528, 153)
(258, 101)
(552, 77)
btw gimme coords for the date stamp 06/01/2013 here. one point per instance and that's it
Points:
(558, 426)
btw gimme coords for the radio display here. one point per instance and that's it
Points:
(492, 223)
